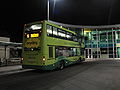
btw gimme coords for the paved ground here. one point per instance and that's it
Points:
(12, 70)
(90, 75)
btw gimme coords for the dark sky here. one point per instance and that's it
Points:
(15, 13)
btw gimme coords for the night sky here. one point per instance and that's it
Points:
(15, 13)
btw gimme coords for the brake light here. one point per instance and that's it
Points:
(43, 58)
(22, 59)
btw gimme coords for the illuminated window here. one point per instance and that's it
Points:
(33, 27)
(54, 31)
(66, 51)
(49, 30)
(61, 34)
(68, 36)
(36, 26)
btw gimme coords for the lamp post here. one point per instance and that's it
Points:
(48, 11)
(48, 8)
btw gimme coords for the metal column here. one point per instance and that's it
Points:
(5, 55)
(113, 43)
(97, 41)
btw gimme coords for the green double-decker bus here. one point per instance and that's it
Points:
(48, 46)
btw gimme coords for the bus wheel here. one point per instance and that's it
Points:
(61, 65)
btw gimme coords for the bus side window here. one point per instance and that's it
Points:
(78, 51)
(82, 51)
(69, 36)
(50, 52)
(61, 34)
(55, 32)
(49, 30)
(75, 38)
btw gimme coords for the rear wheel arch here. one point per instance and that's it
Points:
(61, 64)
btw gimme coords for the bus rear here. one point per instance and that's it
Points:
(32, 54)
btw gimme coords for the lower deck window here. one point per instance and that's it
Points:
(67, 51)
(50, 52)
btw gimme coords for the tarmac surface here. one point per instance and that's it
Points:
(89, 75)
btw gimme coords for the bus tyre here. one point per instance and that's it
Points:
(61, 65)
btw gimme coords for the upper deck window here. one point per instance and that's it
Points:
(36, 27)
(55, 31)
(60, 33)
(49, 30)
(33, 27)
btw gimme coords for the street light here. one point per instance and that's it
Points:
(48, 6)
(48, 9)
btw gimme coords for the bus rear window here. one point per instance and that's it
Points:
(33, 27)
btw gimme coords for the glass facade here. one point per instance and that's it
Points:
(102, 43)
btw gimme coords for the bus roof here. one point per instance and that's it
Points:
(50, 24)
(59, 27)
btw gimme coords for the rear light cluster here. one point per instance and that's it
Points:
(22, 59)
(43, 58)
